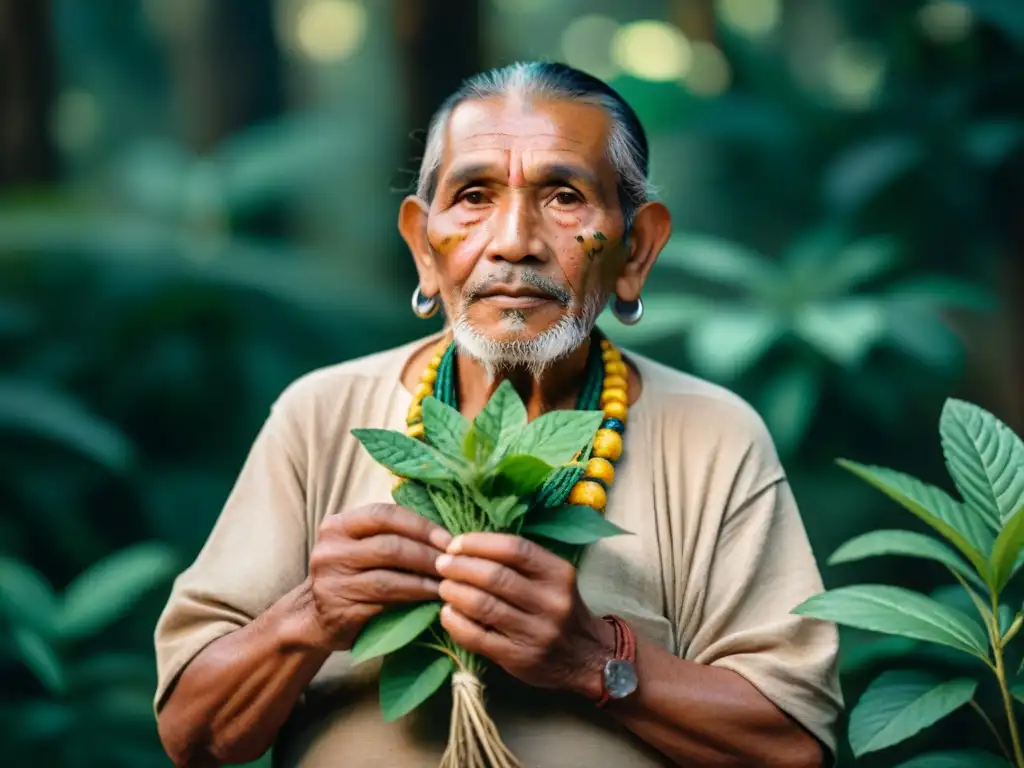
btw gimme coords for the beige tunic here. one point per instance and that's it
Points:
(716, 563)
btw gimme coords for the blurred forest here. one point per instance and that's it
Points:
(198, 203)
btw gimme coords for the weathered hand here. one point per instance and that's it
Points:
(365, 559)
(517, 604)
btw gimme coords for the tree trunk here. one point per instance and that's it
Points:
(27, 153)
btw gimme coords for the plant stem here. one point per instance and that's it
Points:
(992, 727)
(1004, 688)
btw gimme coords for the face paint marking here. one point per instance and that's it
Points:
(579, 238)
(599, 236)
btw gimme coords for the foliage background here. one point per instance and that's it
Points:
(197, 204)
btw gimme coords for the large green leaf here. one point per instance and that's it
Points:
(720, 261)
(404, 455)
(409, 677)
(414, 496)
(899, 704)
(971, 758)
(1007, 549)
(898, 611)
(394, 629)
(985, 458)
(520, 474)
(906, 543)
(842, 330)
(570, 524)
(109, 589)
(502, 417)
(557, 437)
(446, 428)
(726, 344)
(38, 411)
(966, 531)
(25, 596)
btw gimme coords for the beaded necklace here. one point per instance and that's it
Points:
(605, 387)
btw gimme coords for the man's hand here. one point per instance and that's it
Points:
(365, 559)
(517, 604)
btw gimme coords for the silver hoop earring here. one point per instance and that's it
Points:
(424, 307)
(628, 312)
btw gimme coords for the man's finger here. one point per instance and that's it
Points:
(475, 638)
(486, 610)
(522, 555)
(389, 550)
(374, 519)
(384, 586)
(493, 578)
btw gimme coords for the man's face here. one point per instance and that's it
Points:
(525, 232)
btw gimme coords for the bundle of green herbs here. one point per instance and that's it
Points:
(496, 474)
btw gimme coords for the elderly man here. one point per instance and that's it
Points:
(531, 214)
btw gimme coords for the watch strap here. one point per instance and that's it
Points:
(625, 650)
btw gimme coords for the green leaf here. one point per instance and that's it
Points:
(446, 428)
(478, 447)
(727, 343)
(898, 611)
(26, 597)
(1018, 692)
(898, 705)
(971, 758)
(414, 496)
(857, 263)
(843, 330)
(405, 456)
(109, 589)
(720, 261)
(48, 414)
(521, 475)
(394, 629)
(557, 437)
(40, 658)
(787, 401)
(985, 459)
(503, 416)
(570, 524)
(504, 512)
(935, 507)
(906, 543)
(1007, 550)
(409, 677)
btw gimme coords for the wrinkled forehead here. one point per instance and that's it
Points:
(510, 131)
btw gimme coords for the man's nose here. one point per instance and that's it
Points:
(516, 231)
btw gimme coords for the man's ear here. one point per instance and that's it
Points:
(412, 224)
(652, 227)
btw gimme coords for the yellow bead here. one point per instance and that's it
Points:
(602, 469)
(589, 494)
(435, 362)
(615, 369)
(616, 411)
(608, 444)
(611, 356)
(422, 391)
(416, 431)
(615, 382)
(605, 344)
(429, 376)
(613, 395)
(415, 414)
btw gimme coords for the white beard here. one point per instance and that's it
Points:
(536, 355)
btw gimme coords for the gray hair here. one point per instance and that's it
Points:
(627, 142)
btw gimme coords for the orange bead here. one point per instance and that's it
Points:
(416, 431)
(616, 410)
(615, 369)
(608, 444)
(602, 469)
(613, 395)
(588, 493)
(615, 382)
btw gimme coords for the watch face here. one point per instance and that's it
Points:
(619, 678)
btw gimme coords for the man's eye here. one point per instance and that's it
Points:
(474, 197)
(567, 198)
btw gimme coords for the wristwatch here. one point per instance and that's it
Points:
(620, 678)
